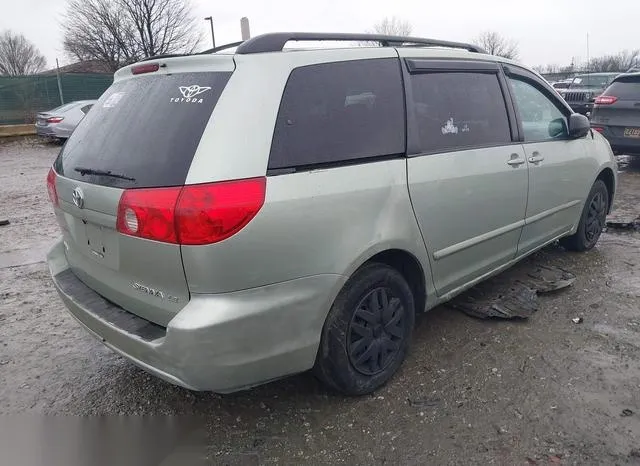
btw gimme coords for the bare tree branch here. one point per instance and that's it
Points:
(495, 44)
(18, 56)
(620, 62)
(120, 32)
(393, 27)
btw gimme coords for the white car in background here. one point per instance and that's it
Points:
(60, 122)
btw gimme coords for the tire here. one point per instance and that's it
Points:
(592, 220)
(367, 332)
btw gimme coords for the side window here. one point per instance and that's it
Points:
(334, 112)
(541, 119)
(459, 110)
(86, 108)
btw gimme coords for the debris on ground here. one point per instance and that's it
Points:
(623, 220)
(635, 453)
(545, 279)
(519, 301)
(626, 413)
(423, 402)
(4, 222)
(577, 320)
(509, 300)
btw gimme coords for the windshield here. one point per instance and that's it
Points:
(592, 80)
(143, 132)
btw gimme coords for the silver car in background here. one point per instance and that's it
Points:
(60, 122)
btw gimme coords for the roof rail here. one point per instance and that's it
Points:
(275, 41)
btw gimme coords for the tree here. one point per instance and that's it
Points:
(495, 44)
(120, 32)
(620, 62)
(393, 27)
(18, 56)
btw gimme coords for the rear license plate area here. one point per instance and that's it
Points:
(95, 241)
(632, 132)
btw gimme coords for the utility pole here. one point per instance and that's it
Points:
(59, 83)
(213, 38)
(588, 58)
(244, 28)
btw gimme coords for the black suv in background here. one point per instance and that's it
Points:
(616, 114)
(584, 89)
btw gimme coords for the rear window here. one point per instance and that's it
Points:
(461, 110)
(146, 129)
(336, 112)
(627, 88)
(63, 108)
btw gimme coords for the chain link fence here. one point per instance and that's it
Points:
(22, 97)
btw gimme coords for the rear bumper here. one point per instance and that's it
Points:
(221, 343)
(621, 145)
(45, 131)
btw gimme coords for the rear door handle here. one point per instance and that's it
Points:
(515, 160)
(536, 158)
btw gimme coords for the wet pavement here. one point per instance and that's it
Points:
(539, 391)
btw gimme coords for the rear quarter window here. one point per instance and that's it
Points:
(337, 112)
(146, 128)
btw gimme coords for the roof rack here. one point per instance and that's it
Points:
(275, 41)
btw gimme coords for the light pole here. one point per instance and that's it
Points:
(213, 38)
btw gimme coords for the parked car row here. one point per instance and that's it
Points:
(612, 101)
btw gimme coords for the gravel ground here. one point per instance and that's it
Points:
(540, 391)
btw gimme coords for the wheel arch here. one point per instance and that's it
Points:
(608, 178)
(409, 267)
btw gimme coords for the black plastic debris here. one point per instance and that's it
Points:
(623, 221)
(423, 402)
(4, 222)
(519, 301)
(545, 279)
(626, 413)
(515, 298)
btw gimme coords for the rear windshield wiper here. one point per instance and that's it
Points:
(92, 171)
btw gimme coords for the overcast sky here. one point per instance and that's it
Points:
(547, 31)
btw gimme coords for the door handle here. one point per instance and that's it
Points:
(515, 160)
(536, 157)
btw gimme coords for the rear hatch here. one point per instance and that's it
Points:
(619, 107)
(142, 133)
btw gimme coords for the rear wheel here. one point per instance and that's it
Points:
(367, 331)
(592, 220)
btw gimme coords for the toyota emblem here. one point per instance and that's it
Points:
(78, 198)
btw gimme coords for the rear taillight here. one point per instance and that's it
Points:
(146, 68)
(55, 119)
(191, 215)
(599, 129)
(606, 100)
(51, 187)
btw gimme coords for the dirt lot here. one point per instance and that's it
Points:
(540, 391)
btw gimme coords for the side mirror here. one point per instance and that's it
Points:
(579, 126)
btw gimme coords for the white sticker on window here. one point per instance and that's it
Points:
(449, 127)
(113, 99)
